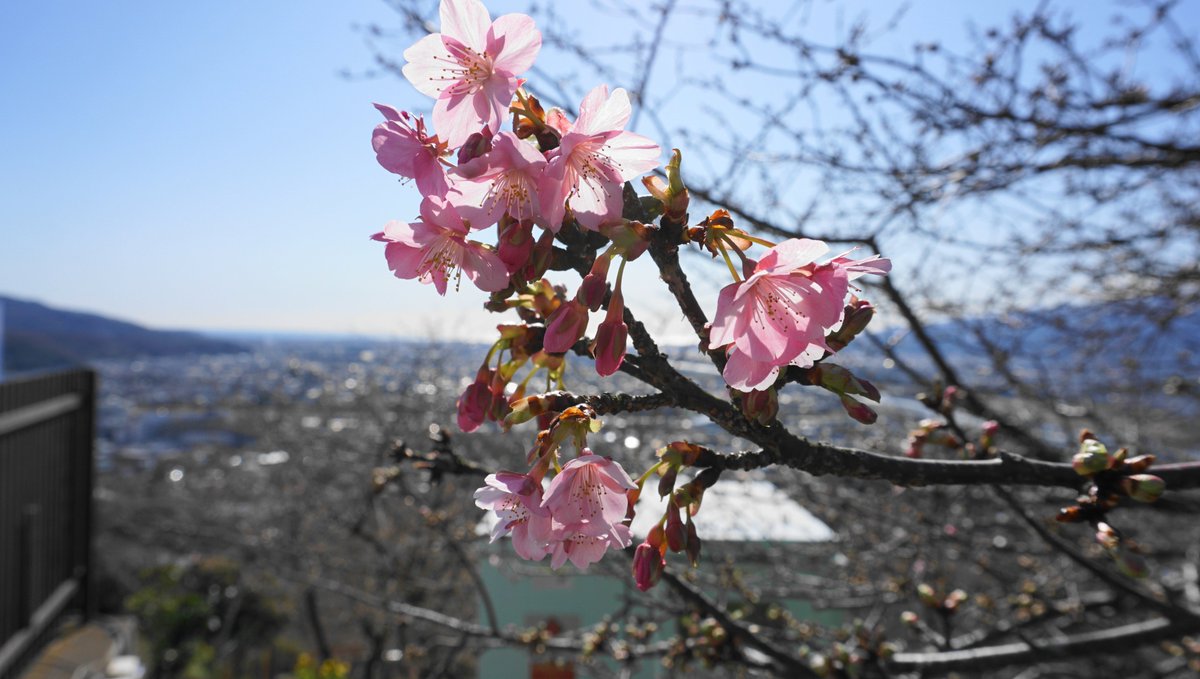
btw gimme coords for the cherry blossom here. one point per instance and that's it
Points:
(506, 181)
(403, 145)
(780, 314)
(589, 490)
(585, 544)
(471, 67)
(596, 156)
(435, 249)
(516, 499)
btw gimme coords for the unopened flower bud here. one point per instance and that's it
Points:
(1092, 458)
(927, 596)
(475, 402)
(675, 531)
(858, 314)
(693, 543)
(595, 284)
(1072, 514)
(565, 326)
(672, 193)
(1143, 487)
(841, 381)
(666, 483)
(540, 258)
(648, 564)
(954, 599)
(761, 406)
(909, 618)
(1107, 536)
(474, 148)
(859, 410)
(949, 398)
(516, 243)
(612, 338)
(1138, 464)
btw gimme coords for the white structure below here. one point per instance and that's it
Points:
(738, 509)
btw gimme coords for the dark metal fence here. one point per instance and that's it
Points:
(47, 426)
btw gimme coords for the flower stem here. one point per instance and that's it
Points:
(729, 262)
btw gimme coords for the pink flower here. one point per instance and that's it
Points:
(435, 249)
(506, 182)
(471, 67)
(516, 499)
(595, 158)
(585, 544)
(780, 314)
(403, 146)
(589, 490)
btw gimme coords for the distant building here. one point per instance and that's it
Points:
(741, 517)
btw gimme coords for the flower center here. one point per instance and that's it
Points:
(513, 192)
(443, 257)
(466, 71)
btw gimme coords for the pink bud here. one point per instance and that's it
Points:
(539, 259)
(475, 402)
(611, 338)
(858, 410)
(516, 243)
(476, 146)
(675, 531)
(760, 405)
(648, 564)
(990, 428)
(565, 326)
(591, 291)
(858, 314)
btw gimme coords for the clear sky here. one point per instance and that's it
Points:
(205, 165)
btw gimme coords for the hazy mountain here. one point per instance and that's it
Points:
(37, 336)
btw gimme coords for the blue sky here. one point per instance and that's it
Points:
(204, 165)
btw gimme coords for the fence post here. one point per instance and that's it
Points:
(84, 465)
(30, 565)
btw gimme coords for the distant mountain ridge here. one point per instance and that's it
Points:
(37, 337)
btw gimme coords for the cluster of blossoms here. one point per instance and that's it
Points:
(494, 157)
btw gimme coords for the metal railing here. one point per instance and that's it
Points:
(47, 431)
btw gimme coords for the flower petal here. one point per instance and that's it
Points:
(426, 67)
(513, 42)
(484, 268)
(466, 21)
(633, 154)
(745, 374)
